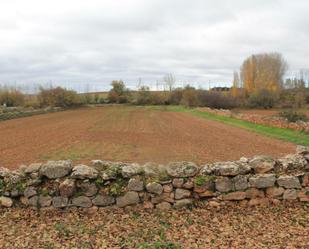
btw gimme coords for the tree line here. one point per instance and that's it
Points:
(259, 83)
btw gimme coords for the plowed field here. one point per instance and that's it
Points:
(130, 134)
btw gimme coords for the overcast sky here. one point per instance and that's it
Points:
(78, 42)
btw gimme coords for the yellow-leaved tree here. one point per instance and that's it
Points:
(263, 72)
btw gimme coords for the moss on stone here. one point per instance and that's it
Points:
(99, 182)
(117, 187)
(202, 179)
(1, 186)
(44, 191)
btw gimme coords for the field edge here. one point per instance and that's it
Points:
(289, 135)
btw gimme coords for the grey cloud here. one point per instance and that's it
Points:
(84, 44)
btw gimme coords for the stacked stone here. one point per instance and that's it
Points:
(275, 121)
(58, 184)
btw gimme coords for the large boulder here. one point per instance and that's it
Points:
(168, 197)
(84, 172)
(207, 194)
(130, 170)
(33, 201)
(182, 193)
(178, 182)
(29, 192)
(33, 168)
(167, 188)
(244, 167)
(103, 200)
(88, 188)
(293, 162)
(60, 202)
(67, 188)
(154, 188)
(289, 182)
(56, 169)
(156, 171)
(253, 193)
(262, 181)
(274, 192)
(4, 172)
(130, 198)
(135, 185)
(302, 150)
(231, 168)
(6, 202)
(82, 201)
(262, 164)
(224, 184)
(234, 196)
(290, 194)
(183, 203)
(44, 201)
(182, 169)
(188, 184)
(240, 182)
(207, 169)
(164, 206)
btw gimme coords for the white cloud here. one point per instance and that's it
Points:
(75, 42)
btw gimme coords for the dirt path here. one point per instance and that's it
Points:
(131, 134)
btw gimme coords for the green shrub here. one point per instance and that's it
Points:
(119, 93)
(215, 99)
(58, 97)
(117, 188)
(11, 97)
(262, 99)
(293, 116)
(175, 96)
(99, 182)
(159, 98)
(144, 96)
(202, 180)
(189, 97)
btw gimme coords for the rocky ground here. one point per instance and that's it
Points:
(230, 226)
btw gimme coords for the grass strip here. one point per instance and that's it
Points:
(296, 137)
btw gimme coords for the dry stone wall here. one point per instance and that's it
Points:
(60, 184)
(273, 121)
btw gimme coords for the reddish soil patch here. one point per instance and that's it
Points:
(130, 134)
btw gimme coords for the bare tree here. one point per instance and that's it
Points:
(236, 84)
(169, 81)
(139, 84)
(305, 76)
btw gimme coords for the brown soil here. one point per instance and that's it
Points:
(131, 134)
